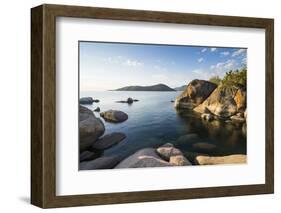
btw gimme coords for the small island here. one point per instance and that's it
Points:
(156, 87)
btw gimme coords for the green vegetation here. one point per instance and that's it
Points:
(216, 80)
(232, 78)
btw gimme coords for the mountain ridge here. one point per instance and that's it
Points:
(156, 87)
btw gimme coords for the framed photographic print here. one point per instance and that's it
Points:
(136, 106)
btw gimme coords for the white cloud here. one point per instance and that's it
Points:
(222, 67)
(225, 53)
(121, 60)
(132, 63)
(204, 50)
(200, 60)
(238, 52)
(213, 49)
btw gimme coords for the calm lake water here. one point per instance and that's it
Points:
(153, 121)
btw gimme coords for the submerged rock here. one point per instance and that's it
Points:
(90, 128)
(204, 147)
(194, 94)
(108, 141)
(230, 159)
(188, 138)
(114, 116)
(105, 162)
(146, 157)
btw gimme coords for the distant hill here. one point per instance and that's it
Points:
(182, 88)
(157, 87)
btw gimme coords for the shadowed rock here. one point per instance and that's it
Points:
(194, 94)
(87, 155)
(90, 128)
(100, 163)
(108, 141)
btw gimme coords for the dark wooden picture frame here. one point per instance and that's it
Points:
(43, 105)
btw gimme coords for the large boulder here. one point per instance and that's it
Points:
(230, 159)
(146, 157)
(105, 162)
(194, 94)
(108, 141)
(90, 128)
(114, 116)
(221, 102)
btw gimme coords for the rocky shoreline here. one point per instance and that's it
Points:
(212, 102)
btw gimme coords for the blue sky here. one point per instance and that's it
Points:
(105, 66)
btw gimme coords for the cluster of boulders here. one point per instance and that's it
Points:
(91, 129)
(163, 156)
(214, 102)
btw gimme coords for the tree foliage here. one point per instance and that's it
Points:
(232, 78)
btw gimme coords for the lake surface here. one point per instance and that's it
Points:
(153, 121)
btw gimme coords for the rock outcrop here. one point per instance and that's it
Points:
(222, 102)
(194, 94)
(90, 128)
(114, 116)
(230, 159)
